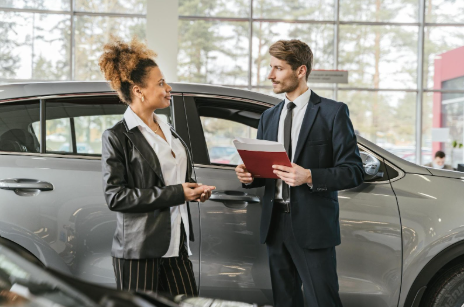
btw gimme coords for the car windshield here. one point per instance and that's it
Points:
(24, 284)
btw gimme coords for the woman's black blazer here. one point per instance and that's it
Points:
(134, 187)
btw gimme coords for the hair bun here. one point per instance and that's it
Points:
(119, 60)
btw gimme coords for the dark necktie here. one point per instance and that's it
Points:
(288, 145)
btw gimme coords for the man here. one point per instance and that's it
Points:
(439, 161)
(300, 215)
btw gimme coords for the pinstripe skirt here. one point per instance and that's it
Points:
(172, 275)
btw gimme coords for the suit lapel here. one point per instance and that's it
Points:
(274, 124)
(308, 121)
(145, 150)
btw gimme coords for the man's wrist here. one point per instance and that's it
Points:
(249, 183)
(309, 178)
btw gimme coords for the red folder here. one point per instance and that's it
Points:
(259, 163)
(259, 156)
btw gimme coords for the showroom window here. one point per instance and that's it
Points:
(388, 47)
(62, 39)
(404, 92)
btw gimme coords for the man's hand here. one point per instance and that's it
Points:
(243, 175)
(293, 176)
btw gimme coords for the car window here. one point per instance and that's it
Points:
(76, 125)
(219, 136)
(223, 121)
(89, 130)
(17, 134)
(58, 136)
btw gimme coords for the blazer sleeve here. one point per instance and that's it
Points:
(122, 198)
(257, 182)
(348, 171)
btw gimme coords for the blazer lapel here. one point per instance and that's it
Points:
(274, 124)
(308, 121)
(145, 150)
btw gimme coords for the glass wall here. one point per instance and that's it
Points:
(62, 39)
(383, 44)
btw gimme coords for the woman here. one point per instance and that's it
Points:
(147, 178)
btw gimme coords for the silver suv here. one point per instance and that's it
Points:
(402, 229)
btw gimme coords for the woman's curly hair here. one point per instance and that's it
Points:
(126, 64)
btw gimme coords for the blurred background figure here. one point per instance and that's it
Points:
(439, 161)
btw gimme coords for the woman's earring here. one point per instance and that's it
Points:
(143, 99)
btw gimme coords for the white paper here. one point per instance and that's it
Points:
(440, 134)
(258, 145)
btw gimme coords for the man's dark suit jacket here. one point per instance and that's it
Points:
(327, 146)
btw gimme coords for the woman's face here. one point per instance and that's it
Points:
(157, 93)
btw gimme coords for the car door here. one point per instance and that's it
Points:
(370, 256)
(21, 184)
(234, 265)
(72, 218)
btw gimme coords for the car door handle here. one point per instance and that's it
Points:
(25, 184)
(233, 196)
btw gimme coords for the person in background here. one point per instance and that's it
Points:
(439, 161)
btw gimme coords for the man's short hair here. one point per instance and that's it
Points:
(440, 154)
(295, 52)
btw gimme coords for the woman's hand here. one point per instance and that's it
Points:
(208, 190)
(197, 191)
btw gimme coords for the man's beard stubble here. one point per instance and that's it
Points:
(290, 85)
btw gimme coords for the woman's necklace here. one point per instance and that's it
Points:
(157, 128)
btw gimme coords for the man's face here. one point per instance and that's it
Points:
(439, 161)
(284, 78)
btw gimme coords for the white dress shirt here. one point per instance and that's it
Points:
(172, 168)
(297, 119)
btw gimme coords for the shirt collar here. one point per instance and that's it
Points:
(133, 120)
(301, 100)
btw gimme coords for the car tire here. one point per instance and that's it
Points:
(447, 290)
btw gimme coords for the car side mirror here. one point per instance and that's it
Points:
(371, 166)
